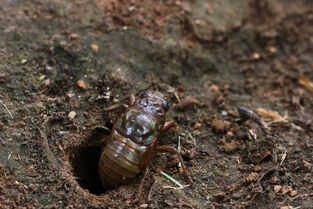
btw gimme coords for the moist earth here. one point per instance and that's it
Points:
(63, 63)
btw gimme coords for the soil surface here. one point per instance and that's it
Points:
(62, 63)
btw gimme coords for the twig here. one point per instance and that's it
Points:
(192, 138)
(10, 154)
(179, 149)
(172, 179)
(283, 157)
(114, 107)
(246, 114)
(175, 188)
(7, 109)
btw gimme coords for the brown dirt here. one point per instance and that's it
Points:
(207, 57)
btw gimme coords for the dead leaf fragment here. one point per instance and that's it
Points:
(272, 115)
(304, 81)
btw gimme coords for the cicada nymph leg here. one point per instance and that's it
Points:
(168, 125)
(131, 101)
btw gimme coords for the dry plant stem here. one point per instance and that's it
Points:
(166, 148)
(246, 114)
(7, 109)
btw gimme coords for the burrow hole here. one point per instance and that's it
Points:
(84, 160)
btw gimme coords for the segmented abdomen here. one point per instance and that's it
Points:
(119, 160)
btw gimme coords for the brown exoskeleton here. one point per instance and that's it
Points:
(134, 138)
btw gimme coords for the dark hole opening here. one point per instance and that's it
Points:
(85, 168)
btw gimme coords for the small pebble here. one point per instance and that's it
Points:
(48, 67)
(256, 56)
(23, 61)
(198, 125)
(224, 113)
(72, 115)
(293, 193)
(277, 188)
(274, 180)
(81, 84)
(46, 82)
(94, 47)
(213, 88)
(272, 50)
(230, 134)
(74, 36)
(286, 189)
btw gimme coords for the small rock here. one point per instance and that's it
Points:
(48, 67)
(71, 115)
(2, 75)
(277, 188)
(23, 61)
(213, 88)
(198, 125)
(272, 50)
(224, 113)
(293, 193)
(274, 180)
(74, 36)
(94, 47)
(286, 189)
(219, 125)
(230, 134)
(256, 56)
(81, 84)
(144, 206)
(252, 177)
(46, 82)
